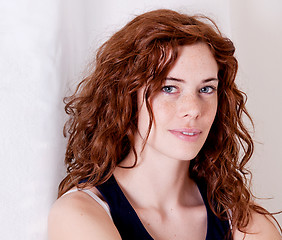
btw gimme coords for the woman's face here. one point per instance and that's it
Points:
(185, 108)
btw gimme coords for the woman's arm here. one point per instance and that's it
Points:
(77, 216)
(260, 227)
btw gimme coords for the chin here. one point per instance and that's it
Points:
(182, 154)
(186, 157)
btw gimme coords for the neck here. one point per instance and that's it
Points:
(156, 180)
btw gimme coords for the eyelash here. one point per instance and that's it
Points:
(165, 89)
(210, 87)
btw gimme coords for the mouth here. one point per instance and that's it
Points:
(189, 135)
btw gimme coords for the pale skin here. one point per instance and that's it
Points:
(166, 200)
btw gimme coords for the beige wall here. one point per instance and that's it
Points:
(256, 29)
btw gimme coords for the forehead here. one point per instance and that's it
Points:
(194, 61)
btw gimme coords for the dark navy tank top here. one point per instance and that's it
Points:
(129, 225)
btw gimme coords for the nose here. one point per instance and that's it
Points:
(189, 106)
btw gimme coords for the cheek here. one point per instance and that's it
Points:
(163, 110)
(143, 120)
(211, 110)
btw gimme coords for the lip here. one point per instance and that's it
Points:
(186, 134)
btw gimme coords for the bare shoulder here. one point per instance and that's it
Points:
(260, 228)
(78, 216)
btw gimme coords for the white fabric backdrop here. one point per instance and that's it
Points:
(44, 47)
(257, 33)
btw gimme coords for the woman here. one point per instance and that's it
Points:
(156, 140)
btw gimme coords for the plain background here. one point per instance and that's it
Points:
(44, 48)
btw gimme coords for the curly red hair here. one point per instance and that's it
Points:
(103, 110)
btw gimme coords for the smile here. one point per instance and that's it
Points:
(189, 135)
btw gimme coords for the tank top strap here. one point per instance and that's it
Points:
(217, 228)
(124, 216)
(92, 195)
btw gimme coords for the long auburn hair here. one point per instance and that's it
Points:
(103, 110)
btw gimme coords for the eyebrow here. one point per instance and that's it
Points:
(181, 80)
